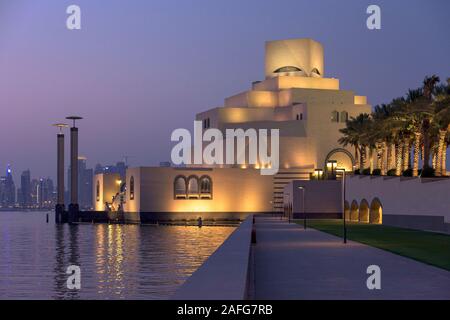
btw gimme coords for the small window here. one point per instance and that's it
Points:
(287, 69)
(180, 187)
(132, 188)
(344, 116)
(192, 189)
(206, 123)
(97, 191)
(335, 116)
(298, 117)
(205, 187)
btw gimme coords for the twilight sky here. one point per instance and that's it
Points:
(139, 69)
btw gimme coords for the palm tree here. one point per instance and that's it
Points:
(353, 135)
(442, 112)
(382, 126)
(429, 84)
(420, 120)
(350, 137)
(412, 112)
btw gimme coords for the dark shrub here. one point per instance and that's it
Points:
(407, 173)
(357, 171)
(376, 172)
(391, 172)
(427, 172)
(366, 171)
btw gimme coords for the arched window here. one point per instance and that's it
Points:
(287, 69)
(97, 191)
(180, 187)
(205, 187)
(344, 116)
(193, 189)
(132, 188)
(335, 116)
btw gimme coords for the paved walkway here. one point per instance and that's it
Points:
(291, 263)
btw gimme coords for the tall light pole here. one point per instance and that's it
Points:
(343, 203)
(73, 206)
(59, 208)
(304, 206)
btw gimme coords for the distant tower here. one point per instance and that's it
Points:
(8, 189)
(25, 189)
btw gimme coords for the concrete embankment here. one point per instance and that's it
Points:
(225, 274)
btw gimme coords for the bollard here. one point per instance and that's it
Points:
(253, 236)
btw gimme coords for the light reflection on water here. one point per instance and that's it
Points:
(116, 261)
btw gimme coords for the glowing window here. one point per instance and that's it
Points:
(97, 191)
(132, 188)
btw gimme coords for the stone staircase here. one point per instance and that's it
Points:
(281, 179)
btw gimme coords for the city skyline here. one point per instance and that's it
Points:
(27, 191)
(58, 72)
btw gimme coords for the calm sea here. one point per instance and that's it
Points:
(116, 261)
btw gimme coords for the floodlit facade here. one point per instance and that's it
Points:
(294, 97)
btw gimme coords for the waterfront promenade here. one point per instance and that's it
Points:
(291, 263)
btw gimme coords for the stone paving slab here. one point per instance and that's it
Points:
(291, 263)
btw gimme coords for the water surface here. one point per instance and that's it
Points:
(116, 261)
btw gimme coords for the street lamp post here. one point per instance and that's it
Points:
(304, 207)
(343, 203)
(73, 206)
(289, 215)
(59, 208)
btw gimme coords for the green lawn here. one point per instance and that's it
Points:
(428, 247)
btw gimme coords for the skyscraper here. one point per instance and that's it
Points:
(25, 189)
(85, 177)
(7, 189)
(45, 193)
(34, 192)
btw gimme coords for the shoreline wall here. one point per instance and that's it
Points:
(225, 274)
